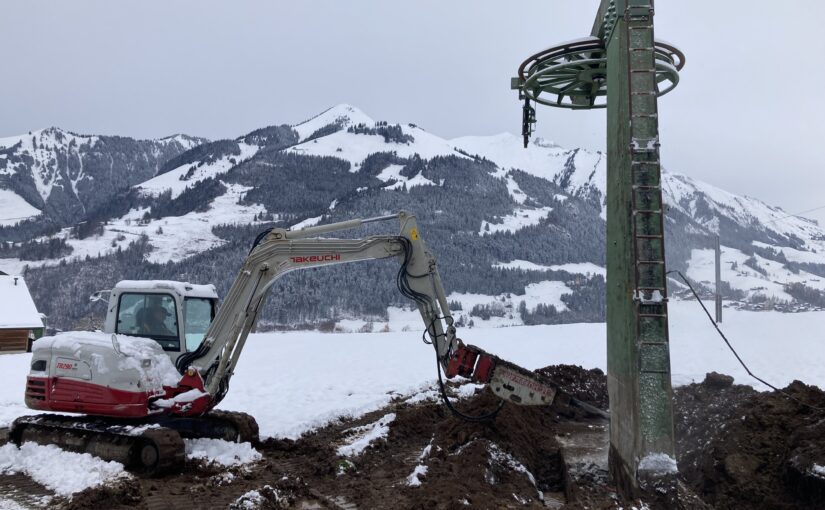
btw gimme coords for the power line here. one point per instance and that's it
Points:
(741, 362)
(796, 214)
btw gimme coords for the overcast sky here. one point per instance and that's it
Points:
(748, 114)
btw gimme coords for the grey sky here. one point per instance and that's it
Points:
(747, 116)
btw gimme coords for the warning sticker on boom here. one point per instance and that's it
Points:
(414, 234)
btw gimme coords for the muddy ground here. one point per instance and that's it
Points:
(737, 448)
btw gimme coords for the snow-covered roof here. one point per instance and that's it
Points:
(17, 310)
(182, 288)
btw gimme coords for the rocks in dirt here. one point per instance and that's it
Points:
(717, 381)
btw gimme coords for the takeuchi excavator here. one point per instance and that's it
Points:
(169, 351)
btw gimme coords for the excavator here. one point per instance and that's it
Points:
(168, 351)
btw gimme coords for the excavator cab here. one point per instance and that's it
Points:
(174, 314)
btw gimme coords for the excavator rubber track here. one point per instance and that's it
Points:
(227, 425)
(147, 447)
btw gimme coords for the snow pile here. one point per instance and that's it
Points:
(413, 480)
(251, 499)
(63, 472)
(364, 435)
(187, 397)
(221, 452)
(143, 355)
(658, 463)
(420, 470)
(818, 470)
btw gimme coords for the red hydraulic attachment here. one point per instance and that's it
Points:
(507, 380)
(463, 363)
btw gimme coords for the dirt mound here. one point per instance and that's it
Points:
(739, 448)
(587, 385)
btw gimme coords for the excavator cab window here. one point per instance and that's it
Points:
(197, 316)
(149, 315)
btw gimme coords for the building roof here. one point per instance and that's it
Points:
(17, 310)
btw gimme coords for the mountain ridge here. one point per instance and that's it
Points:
(524, 217)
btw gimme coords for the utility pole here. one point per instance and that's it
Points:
(622, 50)
(718, 280)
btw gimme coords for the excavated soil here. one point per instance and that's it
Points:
(737, 448)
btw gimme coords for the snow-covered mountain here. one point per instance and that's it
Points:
(519, 232)
(63, 174)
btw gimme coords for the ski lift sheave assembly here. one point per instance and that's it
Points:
(573, 75)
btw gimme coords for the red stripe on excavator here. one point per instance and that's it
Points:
(66, 395)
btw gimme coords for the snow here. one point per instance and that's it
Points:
(171, 180)
(497, 455)
(818, 470)
(548, 292)
(345, 114)
(250, 499)
(309, 222)
(540, 158)
(136, 350)
(17, 309)
(47, 466)
(14, 209)
(519, 219)
(173, 238)
(187, 397)
(795, 255)
(181, 288)
(221, 452)
(701, 267)
(414, 479)
(682, 193)
(392, 174)
(355, 148)
(585, 268)
(660, 463)
(365, 435)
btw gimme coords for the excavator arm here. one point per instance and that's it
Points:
(279, 251)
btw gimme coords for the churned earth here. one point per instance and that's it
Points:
(735, 447)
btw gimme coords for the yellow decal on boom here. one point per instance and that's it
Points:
(414, 234)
